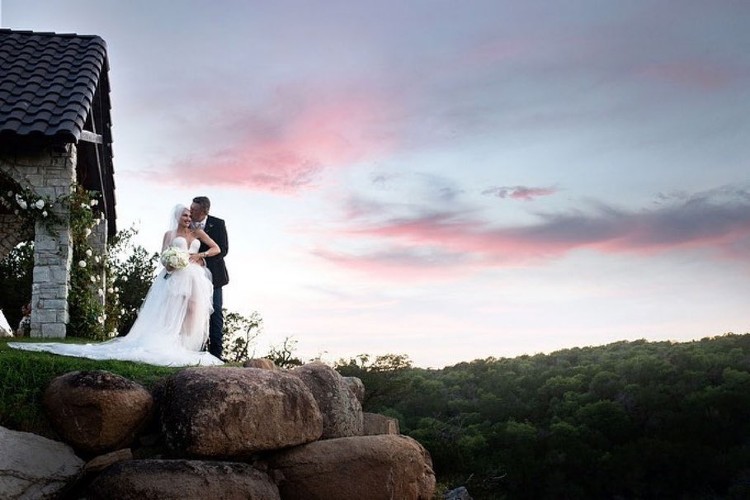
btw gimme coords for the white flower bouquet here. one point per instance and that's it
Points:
(173, 258)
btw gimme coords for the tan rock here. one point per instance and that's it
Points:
(98, 464)
(361, 467)
(233, 413)
(375, 424)
(182, 480)
(263, 363)
(342, 411)
(97, 411)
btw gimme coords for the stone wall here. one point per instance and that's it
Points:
(49, 173)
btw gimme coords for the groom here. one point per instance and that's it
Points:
(216, 229)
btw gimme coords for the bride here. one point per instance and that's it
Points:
(172, 324)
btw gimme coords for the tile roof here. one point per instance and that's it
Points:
(48, 82)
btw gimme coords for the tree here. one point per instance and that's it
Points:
(283, 355)
(131, 270)
(239, 334)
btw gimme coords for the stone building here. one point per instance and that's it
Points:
(55, 135)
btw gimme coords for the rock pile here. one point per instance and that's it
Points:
(215, 432)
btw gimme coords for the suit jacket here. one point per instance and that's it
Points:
(217, 230)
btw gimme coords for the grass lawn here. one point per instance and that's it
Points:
(24, 376)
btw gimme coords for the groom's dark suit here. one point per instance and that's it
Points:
(217, 230)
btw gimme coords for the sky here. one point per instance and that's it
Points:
(441, 179)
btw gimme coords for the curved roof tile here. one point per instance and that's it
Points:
(48, 82)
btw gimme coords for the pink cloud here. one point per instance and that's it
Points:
(701, 222)
(519, 192)
(287, 149)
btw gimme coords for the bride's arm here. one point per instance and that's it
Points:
(166, 241)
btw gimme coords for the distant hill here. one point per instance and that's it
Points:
(629, 419)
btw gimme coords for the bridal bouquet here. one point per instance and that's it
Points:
(173, 258)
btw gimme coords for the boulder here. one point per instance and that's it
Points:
(375, 423)
(361, 467)
(342, 411)
(232, 413)
(33, 466)
(182, 480)
(263, 363)
(460, 493)
(97, 411)
(357, 387)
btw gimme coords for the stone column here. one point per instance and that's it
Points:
(53, 250)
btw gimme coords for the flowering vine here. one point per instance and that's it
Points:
(31, 207)
(89, 274)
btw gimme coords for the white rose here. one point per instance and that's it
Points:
(87, 232)
(94, 203)
(97, 259)
(124, 278)
(89, 252)
(110, 290)
(100, 292)
(117, 289)
(100, 319)
(122, 311)
(44, 214)
(81, 263)
(39, 204)
(22, 204)
(83, 205)
(93, 280)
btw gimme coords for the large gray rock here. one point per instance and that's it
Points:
(34, 467)
(232, 413)
(342, 411)
(361, 467)
(97, 411)
(460, 493)
(182, 480)
(357, 387)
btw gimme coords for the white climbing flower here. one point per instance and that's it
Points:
(22, 204)
(93, 280)
(87, 232)
(124, 278)
(10, 194)
(84, 206)
(110, 290)
(100, 292)
(89, 253)
(81, 263)
(100, 319)
(117, 289)
(97, 259)
(39, 204)
(44, 214)
(94, 203)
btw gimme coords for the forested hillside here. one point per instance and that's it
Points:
(629, 420)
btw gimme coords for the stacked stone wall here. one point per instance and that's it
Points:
(49, 173)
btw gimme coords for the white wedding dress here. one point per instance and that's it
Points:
(172, 324)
